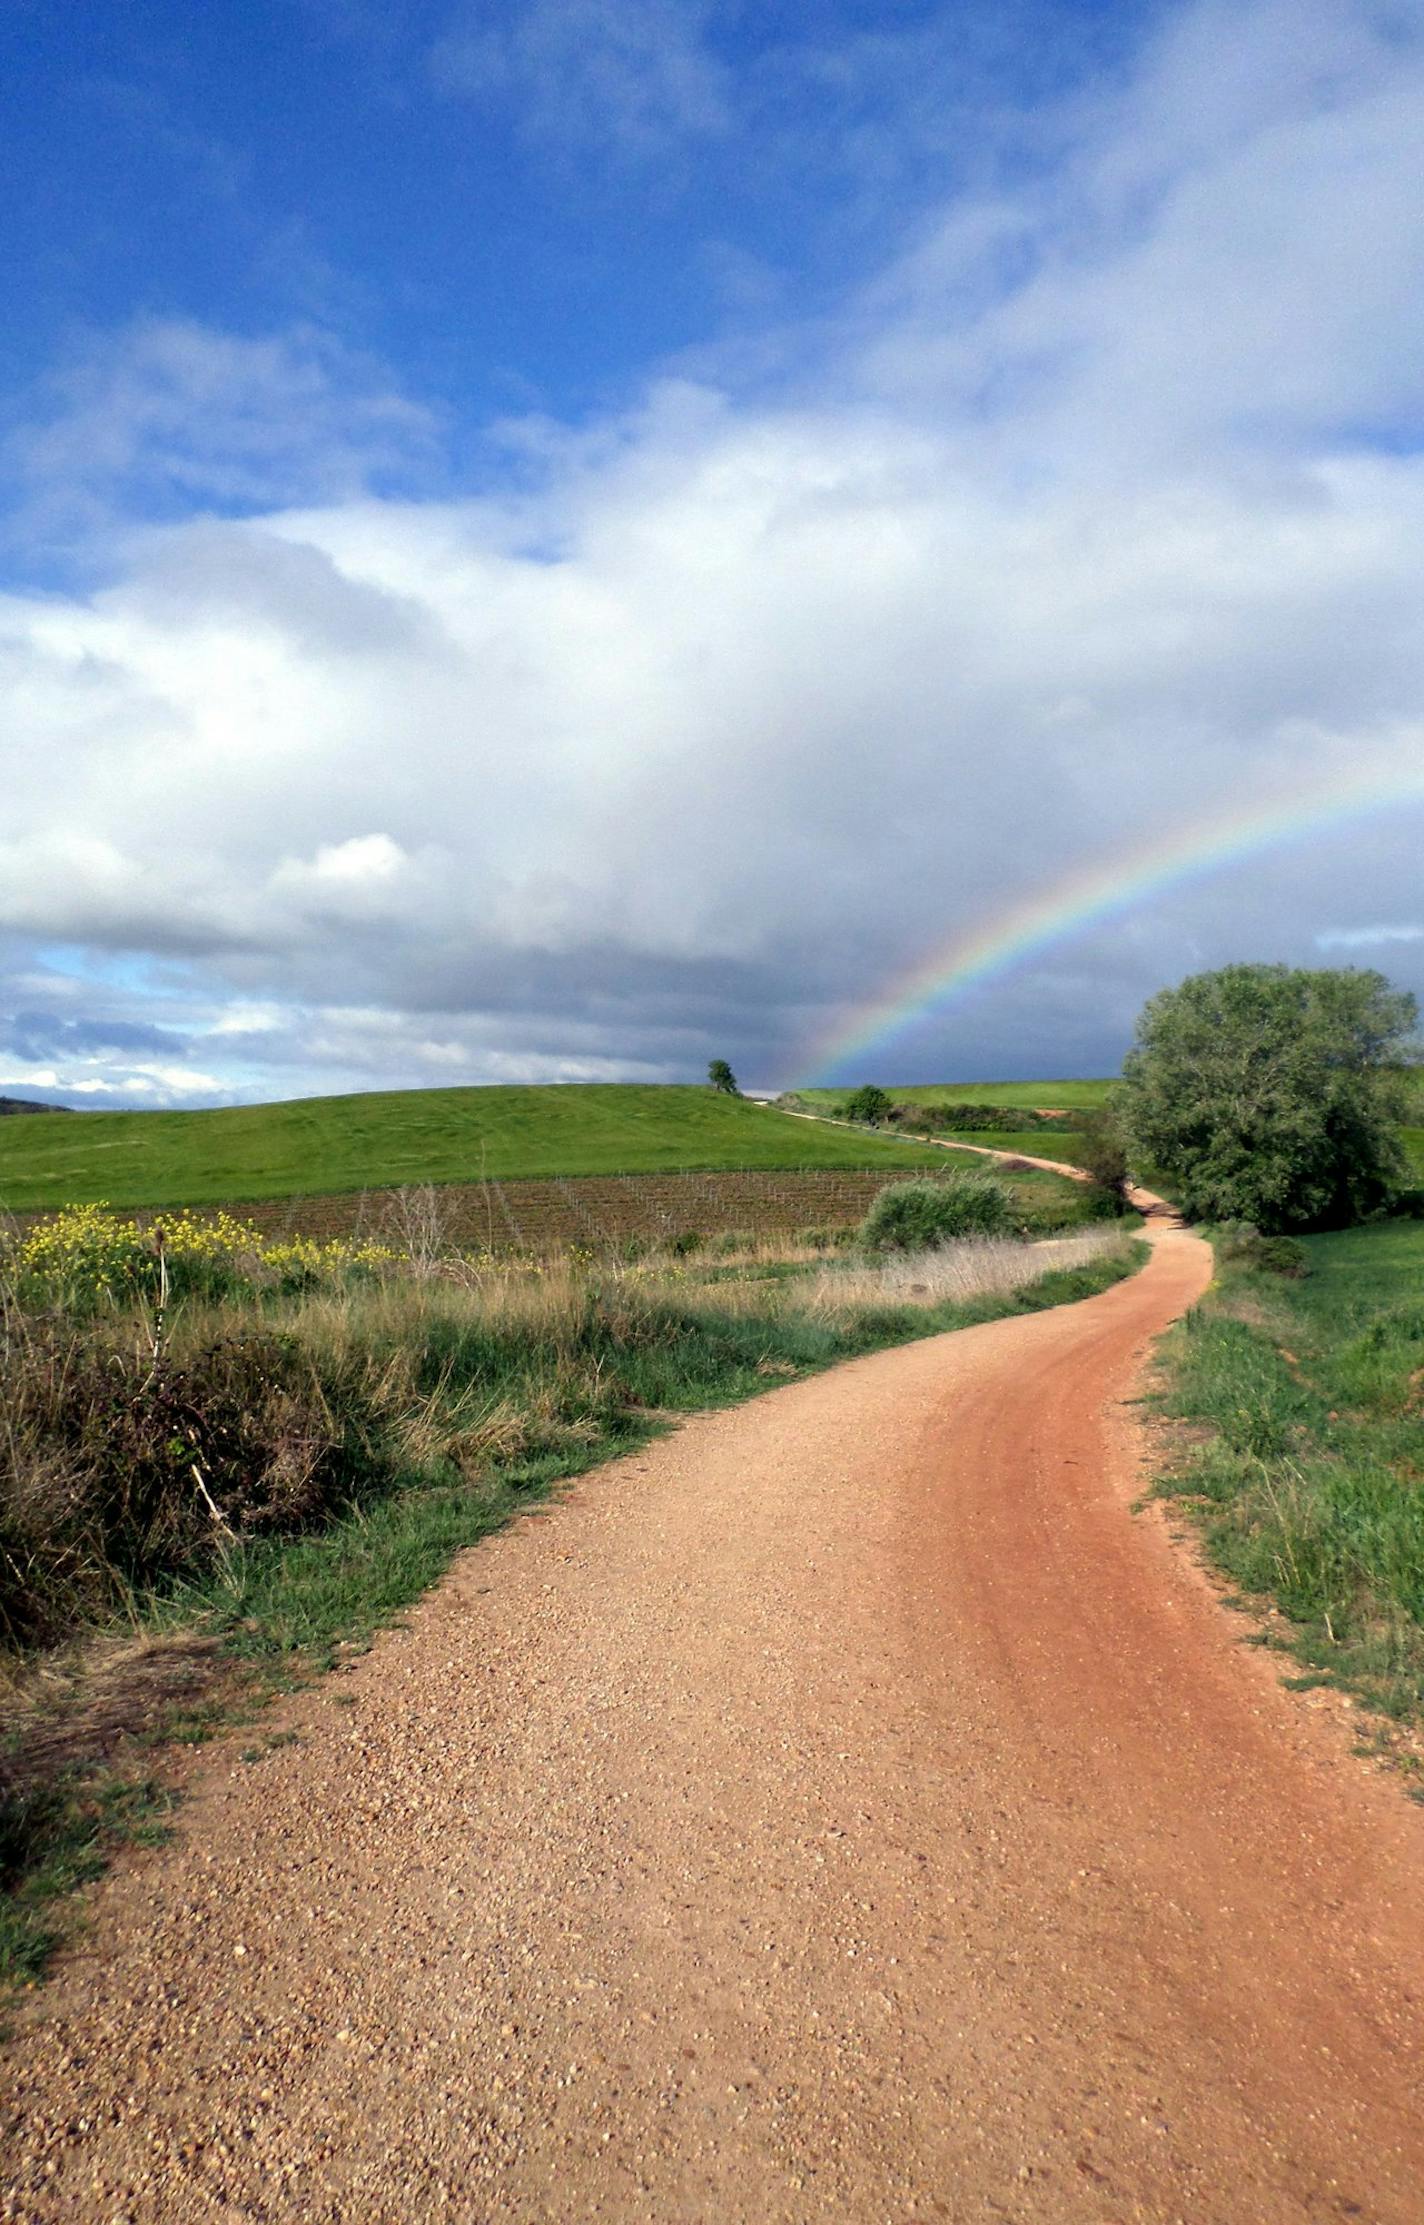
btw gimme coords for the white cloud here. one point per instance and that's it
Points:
(1367, 938)
(167, 414)
(1101, 516)
(160, 1086)
(632, 77)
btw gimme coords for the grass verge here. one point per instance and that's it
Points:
(472, 1405)
(57, 1835)
(1303, 1456)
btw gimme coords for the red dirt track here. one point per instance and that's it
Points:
(844, 1811)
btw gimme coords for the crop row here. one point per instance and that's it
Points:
(601, 1212)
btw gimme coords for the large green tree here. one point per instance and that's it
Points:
(1271, 1094)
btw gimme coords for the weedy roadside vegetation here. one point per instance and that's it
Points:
(1302, 1377)
(273, 1449)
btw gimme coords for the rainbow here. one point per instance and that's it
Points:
(1105, 891)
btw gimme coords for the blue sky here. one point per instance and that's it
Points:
(515, 206)
(565, 539)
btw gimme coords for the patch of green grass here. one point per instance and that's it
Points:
(1309, 1476)
(56, 1836)
(1033, 1143)
(387, 1139)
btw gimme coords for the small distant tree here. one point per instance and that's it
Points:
(720, 1075)
(868, 1103)
(1272, 1094)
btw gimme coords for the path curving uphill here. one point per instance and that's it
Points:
(845, 1810)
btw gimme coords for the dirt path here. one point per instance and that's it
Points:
(844, 1810)
(948, 1143)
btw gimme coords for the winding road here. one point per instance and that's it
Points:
(844, 1811)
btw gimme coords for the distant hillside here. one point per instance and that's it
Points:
(28, 1105)
(1038, 1096)
(326, 1145)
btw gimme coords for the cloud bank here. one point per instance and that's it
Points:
(1099, 509)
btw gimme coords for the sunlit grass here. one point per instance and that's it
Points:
(389, 1140)
(1309, 1477)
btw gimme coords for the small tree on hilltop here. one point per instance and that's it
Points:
(1271, 1094)
(720, 1075)
(868, 1103)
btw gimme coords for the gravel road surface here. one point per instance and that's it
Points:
(844, 1810)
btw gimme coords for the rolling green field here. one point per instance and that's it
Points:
(1041, 1143)
(385, 1140)
(1038, 1096)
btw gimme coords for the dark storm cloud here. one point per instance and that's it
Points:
(41, 1036)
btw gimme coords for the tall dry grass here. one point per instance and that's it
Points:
(957, 1273)
(138, 1451)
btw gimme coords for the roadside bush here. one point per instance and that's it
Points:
(119, 1469)
(1241, 1244)
(918, 1120)
(971, 1119)
(1100, 1148)
(915, 1216)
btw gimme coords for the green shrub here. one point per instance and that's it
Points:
(970, 1119)
(915, 1216)
(869, 1104)
(1100, 1147)
(1241, 1244)
(120, 1468)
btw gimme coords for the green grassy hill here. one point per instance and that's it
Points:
(1036, 1096)
(384, 1140)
